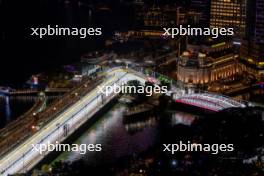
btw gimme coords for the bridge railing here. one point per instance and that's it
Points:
(210, 95)
(14, 124)
(201, 104)
(21, 130)
(72, 116)
(17, 128)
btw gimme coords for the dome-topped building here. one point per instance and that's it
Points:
(202, 64)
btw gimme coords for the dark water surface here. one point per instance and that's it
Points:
(11, 108)
(119, 139)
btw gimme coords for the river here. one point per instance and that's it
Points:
(11, 108)
(119, 139)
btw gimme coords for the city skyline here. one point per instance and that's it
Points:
(132, 87)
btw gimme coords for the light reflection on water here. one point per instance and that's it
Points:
(119, 139)
(140, 125)
(13, 107)
(115, 139)
(7, 109)
(182, 118)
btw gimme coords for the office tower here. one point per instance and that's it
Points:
(203, 7)
(260, 21)
(252, 49)
(255, 21)
(229, 13)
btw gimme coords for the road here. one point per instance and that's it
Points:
(24, 158)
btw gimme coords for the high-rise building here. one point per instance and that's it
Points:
(229, 13)
(203, 7)
(252, 50)
(156, 16)
(255, 21)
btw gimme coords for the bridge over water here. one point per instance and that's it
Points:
(28, 92)
(23, 158)
(209, 101)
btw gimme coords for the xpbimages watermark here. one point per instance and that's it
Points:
(195, 147)
(191, 31)
(58, 147)
(129, 89)
(64, 31)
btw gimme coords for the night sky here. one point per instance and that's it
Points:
(23, 54)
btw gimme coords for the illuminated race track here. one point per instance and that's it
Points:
(24, 158)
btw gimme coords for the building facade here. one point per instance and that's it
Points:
(202, 65)
(252, 49)
(203, 7)
(229, 14)
(156, 16)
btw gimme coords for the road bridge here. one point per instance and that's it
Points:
(23, 157)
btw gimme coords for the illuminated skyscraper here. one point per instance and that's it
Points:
(260, 21)
(252, 50)
(229, 13)
(255, 22)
